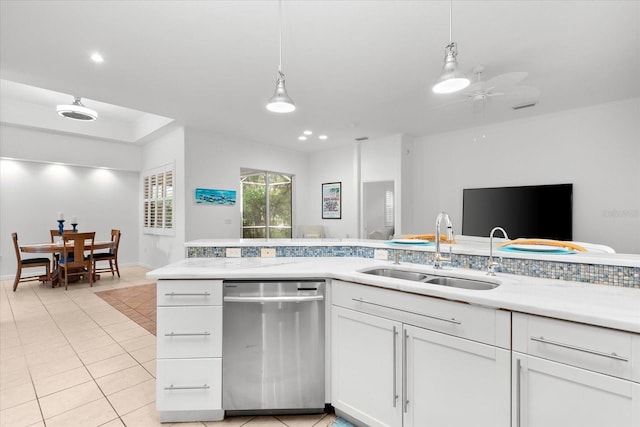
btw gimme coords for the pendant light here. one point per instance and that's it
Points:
(280, 102)
(77, 111)
(451, 80)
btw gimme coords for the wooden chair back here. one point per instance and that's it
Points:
(76, 259)
(111, 257)
(28, 263)
(55, 234)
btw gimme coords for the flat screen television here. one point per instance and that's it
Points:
(534, 211)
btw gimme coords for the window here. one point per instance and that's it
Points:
(158, 201)
(266, 204)
(388, 208)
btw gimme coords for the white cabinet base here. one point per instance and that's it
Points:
(186, 416)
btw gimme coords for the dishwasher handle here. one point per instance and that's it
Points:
(275, 299)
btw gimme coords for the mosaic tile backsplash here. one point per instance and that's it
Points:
(588, 273)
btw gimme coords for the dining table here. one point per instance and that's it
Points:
(53, 279)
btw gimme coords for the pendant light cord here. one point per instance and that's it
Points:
(280, 19)
(450, 21)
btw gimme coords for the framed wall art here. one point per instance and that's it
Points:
(215, 197)
(332, 200)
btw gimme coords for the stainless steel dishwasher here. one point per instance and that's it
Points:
(273, 347)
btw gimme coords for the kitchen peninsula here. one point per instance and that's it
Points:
(581, 337)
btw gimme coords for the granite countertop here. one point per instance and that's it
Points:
(608, 306)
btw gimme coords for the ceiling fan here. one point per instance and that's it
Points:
(504, 85)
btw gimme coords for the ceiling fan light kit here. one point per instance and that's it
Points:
(452, 79)
(280, 102)
(77, 111)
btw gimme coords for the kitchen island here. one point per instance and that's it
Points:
(526, 328)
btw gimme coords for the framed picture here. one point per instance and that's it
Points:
(332, 200)
(215, 197)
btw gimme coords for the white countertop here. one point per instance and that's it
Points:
(464, 245)
(609, 306)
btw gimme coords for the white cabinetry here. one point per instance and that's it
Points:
(568, 374)
(399, 360)
(189, 350)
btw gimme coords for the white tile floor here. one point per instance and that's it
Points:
(71, 359)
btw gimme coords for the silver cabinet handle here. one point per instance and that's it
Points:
(187, 334)
(405, 392)
(177, 294)
(395, 380)
(444, 319)
(518, 370)
(275, 299)
(195, 387)
(584, 350)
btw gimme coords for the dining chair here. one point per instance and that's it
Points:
(111, 256)
(55, 233)
(28, 263)
(75, 263)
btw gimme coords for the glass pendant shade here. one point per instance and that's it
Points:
(280, 102)
(451, 80)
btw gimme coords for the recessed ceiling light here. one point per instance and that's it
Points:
(323, 137)
(307, 132)
(302, 138)
(97, 58)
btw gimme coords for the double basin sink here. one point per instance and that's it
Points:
(416, 276)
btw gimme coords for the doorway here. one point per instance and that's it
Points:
(378, 214)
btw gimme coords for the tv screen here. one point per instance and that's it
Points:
(536, 211)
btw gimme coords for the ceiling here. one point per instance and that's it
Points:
(354, 68)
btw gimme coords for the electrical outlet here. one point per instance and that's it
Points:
(268, 252)
(234, 253)
(381, 254)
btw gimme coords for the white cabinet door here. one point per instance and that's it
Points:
(189, 384)
(455, 382)
(366, 367)
(551, 394)
(189, 332)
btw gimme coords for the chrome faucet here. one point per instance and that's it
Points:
(438, 257)
(491, 265)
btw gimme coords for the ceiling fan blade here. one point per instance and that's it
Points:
(475, 88)
(507, 79)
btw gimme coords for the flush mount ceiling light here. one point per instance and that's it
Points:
(77, 111)
(280, 102)
(451, 80)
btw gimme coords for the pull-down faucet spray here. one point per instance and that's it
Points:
(438, 257)
(491, 265)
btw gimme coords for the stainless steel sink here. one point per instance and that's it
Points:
(456, 282)
(416, 276)
(398, 274)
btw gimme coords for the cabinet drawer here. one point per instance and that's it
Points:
(590, 347)
(463, 320)
(188, 384)
(189, 292)
(189, 332)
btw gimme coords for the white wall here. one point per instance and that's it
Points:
(49, 147)
(214, 161)
(381, 161)
(335, 165)
(156, 251)
(596, 148)
(32, 193)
